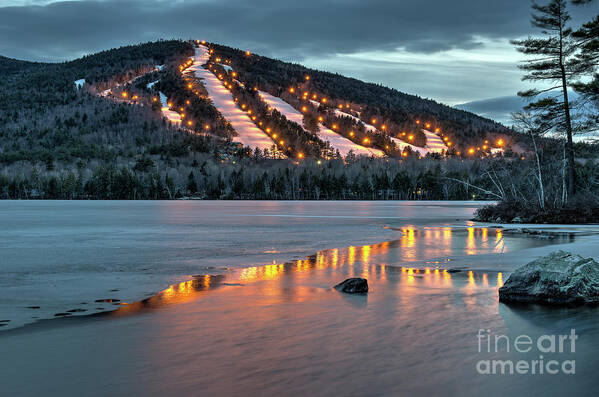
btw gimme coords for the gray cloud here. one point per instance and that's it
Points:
(322, 33)
(290, 29)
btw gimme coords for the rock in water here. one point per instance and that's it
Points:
(559, 278)
(353, 286)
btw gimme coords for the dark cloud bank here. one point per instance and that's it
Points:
(288, 29)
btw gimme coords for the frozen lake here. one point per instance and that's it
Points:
(260, 317)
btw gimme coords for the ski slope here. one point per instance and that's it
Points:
(337, 141)
(433, 142)
(400, 144)
(173, 117)
(248, 133)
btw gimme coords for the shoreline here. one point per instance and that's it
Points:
(485, 263)
(273, 232)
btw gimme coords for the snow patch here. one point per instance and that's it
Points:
(337, 141)
(79, 83)
(248, 133)
(173, 117)
(433, 142)
(226, 67)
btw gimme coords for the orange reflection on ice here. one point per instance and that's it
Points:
(365, 254)
(351, 255)
(471, 242)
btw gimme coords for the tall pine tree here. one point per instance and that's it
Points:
(587, 38)
(552, 63)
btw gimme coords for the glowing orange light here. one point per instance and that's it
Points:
(324, 100)
(124, 94)
(373, 121)
(307, 77)
(334, 126)
(282, 142)
(437, 130)
(206, 127)
(320, 118)
(300, 155)
(500, 142)
(304, 109)
(471, 150)
(417, 121)
(411, 137)
(189, 85)
(189, 123)
(351, 133)
(366, 140)
(292, 90)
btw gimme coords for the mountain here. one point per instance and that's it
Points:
(502, 108)
(499, 109)
(168, 118)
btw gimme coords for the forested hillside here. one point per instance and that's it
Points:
(108, 138)
(400, 112)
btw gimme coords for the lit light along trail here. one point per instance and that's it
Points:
(337, 141)
(171, 116)
(434, 144)
(248, 133)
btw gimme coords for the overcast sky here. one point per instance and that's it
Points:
(451, 51)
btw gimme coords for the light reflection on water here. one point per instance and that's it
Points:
(281, 329)
(374, 262)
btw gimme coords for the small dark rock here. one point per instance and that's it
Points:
(114, 290)
(76, 310)
(107, 300)
(454, 270)
(62, 314)
(4, 321)
(33, 307)
(353, 286)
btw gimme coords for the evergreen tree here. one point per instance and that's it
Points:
(553, 62)
(587, 38)
(192, 187)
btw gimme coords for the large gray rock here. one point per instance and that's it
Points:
(559, 278)
(353, 286)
